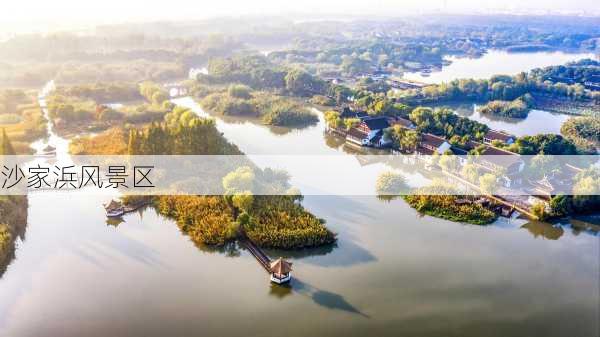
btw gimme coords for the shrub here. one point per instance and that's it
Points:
(239, 91)
(288, 114)
(391, 183)
(518, 108)
(539, 210)
(440, 200)
(322, 100)
(110, 142)
(280, 222)
(584, 132)
(227, 105)
(206, 219)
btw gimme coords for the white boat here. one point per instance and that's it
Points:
(115, 213)
(114, 209)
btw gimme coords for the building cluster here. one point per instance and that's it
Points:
(370, 132)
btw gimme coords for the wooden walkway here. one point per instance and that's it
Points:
(260, 256)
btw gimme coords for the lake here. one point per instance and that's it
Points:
(495, 62)
(502, 62)
(393, 272)
(537, 121)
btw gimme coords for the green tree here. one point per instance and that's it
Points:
(488, 183)
(351, 122)
(239, 91)
(159, 97)
(561, 205)
(333, 119)
(448, 162)
(301, 83)
(470, 173)
(240, 180)
(539, 210)
(391, 183)
(243, 200)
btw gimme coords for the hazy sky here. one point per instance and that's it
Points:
(33, 13)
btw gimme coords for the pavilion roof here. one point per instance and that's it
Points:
(112, 204)
(281, 266)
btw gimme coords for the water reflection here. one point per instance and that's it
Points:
(556, 229)
(495, 62)
(585, 224)
(115, 222)
(537, 121)
(13, 213)
(280, 291)
(229, 249)
(544, 229)
(333, 142)
(256, 121)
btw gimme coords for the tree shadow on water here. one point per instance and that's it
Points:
(323, 298)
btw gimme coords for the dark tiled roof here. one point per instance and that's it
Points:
(498, 135)
(356, 133)
(494, 151)
(432, 140)
(377, 123)
(501, 157)
(424, 151)
(348, 112)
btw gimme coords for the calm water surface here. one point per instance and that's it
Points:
(537, 121)
(391, 273)
(495, 62)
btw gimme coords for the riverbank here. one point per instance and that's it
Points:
(569, 107)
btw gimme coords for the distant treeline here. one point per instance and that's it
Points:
(259, 73)
(508, 88)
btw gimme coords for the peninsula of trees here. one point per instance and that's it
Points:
(277, 221)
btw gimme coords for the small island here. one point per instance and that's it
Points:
(517, 108)
(274, 221)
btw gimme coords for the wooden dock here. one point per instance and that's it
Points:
(260, 256)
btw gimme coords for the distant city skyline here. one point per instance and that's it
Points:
(34, 15)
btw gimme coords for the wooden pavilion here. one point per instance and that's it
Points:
(281, 271)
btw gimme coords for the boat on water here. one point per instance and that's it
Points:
(114, 209)
(115, 213)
